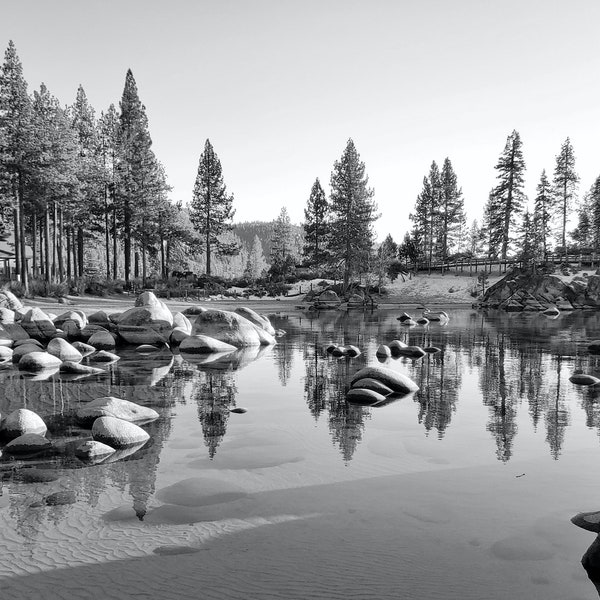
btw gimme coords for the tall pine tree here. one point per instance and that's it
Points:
(452, 220)
(542, 215)
(353, 212)
(316, 227)
(508, 196)
(211, 210)
(565, 187)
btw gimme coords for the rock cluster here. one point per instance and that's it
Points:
(525, 290)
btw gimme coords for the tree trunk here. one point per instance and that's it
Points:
(127, 242)
(54, 241)
(33, 245)
(163, 267)
(24, 274)
(80, 257)
(115, 248)
(136, 264)
(74, 251)
(47, 245)
(17, 239)
(68, 252)
(61, 229)
(106, 231)
(144, 266)
(208, 253)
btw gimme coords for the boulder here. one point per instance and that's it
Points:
(383, 351)
(99, 318)
(75, 368)
(195, 310)
(117, 433)
(397, 382)
(38, 325)
(408, 323)
(410, 352)
(13, 332)
(9, 300)
(76, 316)
(260, 321)
(180, 321)
(28, 342)
(422, 321)
(149, 299)
(5, 354)
(147, 324)
(20, 351)
(104, 356)
(432, 349)
(204, 344)
(404, 317)
(583, 379)
(396, 347)
(228, 327)
(115, 407)
(22, 421)
(102, 340)
(28, 443)
(177, 336)
(364, 396)
(39, 361)
(91, 449)
(83, 348)
(339, 351)
(63, 350)
(352, 351)
(368, 383)
(7, 315)
(147, 349)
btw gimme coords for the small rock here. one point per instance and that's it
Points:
(110, 406)
(63, 350)
(83, 348)
(432, 349)
(92, 449)
(239, 410)
(397, 382)
(22, 421)
(353, 351)
(73, 368)
(364, 396)
(104, 356)
(368, 383)
(61, 498)
(39, 361)
(383, 351)
(583, 379)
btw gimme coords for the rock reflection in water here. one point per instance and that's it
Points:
(590, 561)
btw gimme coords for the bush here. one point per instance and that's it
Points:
(39, 287)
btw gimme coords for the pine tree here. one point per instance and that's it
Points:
(585, 232)
(508, 196)
(594, 199)
(426, 215)
(387, 253)
(353, 212)
(492, 226)
(16, 137)
(316, 227)
(527, 239)
(565, 187)
(452, 220)
(474, 239)
(211, 210)
(282, 260)
(134, 164)
(542, 214)
(256, 265)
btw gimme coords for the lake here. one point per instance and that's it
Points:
(463, 490)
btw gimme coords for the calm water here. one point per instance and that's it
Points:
(462, 490)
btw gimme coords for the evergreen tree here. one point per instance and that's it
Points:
(452, 220)
(426, 215)
(134, 163)
(594, 200)
(211, 210)
(316, 227)
(16, 139)
(508, 197)
(585, 233)
(527, 239)
(353, 212)
(542, 214)
(474, 239)
(565, 187)
(256, 265)
(491, 229)
(282, 260)
(387, 253)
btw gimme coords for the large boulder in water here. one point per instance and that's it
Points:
(38, 325)
(204, 344)
(28, 443)
(231, 328)
(63, 350)
(146, 324)
(115, 407)
(22, 421)
(39, 361)
(259, 320)
(117, 433)
(395, 381)
(102, 340)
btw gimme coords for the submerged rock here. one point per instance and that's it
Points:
(583, 379)
(28, 443)
(231, 328)
(39, 361)
(204, 344)
(91, 450)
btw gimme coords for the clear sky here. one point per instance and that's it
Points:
(279, 86)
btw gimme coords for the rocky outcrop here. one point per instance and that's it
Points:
(525, 290)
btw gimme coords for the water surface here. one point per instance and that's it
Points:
(462, 490)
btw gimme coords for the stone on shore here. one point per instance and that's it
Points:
(102, 339)
(397, 382)
(91, 449)
(104, 356)
(20, 351)
(38, 325)
(147, 324)
(9, 300)
(258, 320)
(83, 348)
(75, 368)
(7, 315)
(118, 433)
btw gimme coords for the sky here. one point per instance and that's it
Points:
(279, 86)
